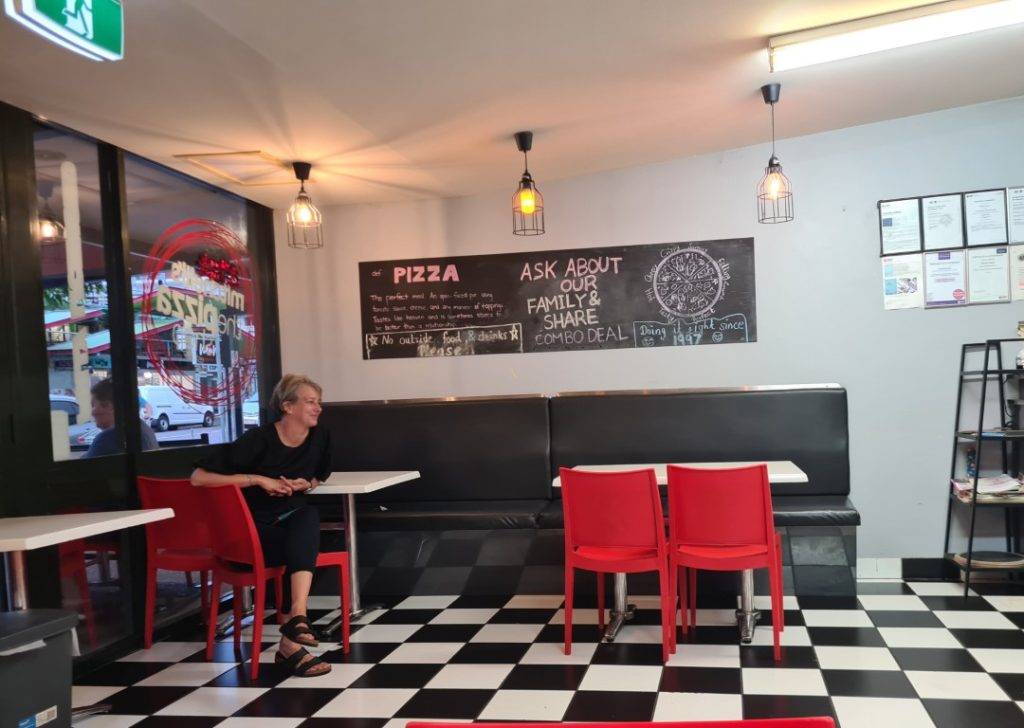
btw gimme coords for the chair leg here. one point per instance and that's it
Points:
(346, 601)
(568, 608)
(147, 628)
(237, 607)
(600, 601)
(204, 592)
(211, 620)
(257, 626)
(779, 578)
(693, 596)
(673, 590)
(279, 597)
(666, 598)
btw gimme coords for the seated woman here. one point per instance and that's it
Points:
(276, 465)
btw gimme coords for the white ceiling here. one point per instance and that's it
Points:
(406, 99)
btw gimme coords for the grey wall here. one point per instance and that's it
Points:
(819, 304)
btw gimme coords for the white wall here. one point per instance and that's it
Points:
(819, 303)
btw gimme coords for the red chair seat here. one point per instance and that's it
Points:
(726, 558)
(601, 553)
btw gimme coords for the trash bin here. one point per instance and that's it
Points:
(35, 668)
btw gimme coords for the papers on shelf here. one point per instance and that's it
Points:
(992, 432)
(987, 485)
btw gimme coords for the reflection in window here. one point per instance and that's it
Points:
(70, 235)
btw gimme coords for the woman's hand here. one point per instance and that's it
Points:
(278, 487)
(298, 485)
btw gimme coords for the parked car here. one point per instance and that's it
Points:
(65, 403)
(81, 436)
(163, 409)
(251, 412)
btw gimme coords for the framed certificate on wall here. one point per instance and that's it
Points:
(943, 222)
(899, 222)
(985, 217)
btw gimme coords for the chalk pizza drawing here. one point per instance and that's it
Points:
(688, 282)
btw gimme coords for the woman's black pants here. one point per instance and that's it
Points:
(293, 542)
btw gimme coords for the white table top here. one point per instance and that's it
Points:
(33, 532)
(779, 471)
(343, 483)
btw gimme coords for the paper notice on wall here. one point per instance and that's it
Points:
(945, 279)
(1017, 273)
(1015, 213)
(988, 275)
(902, 279)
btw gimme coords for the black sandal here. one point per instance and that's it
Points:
(297, 628)
(293, 663)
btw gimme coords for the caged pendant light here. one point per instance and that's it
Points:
(527, 202)
(51, 229)
(305, 228)
(774, 192)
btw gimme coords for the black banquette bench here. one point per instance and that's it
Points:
(487, 462)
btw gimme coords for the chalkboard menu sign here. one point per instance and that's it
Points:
(669, 294)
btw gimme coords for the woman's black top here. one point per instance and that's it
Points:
(261, 452)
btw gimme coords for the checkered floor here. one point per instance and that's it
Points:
(899, 654)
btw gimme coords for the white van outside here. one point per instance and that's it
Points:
(163, 409)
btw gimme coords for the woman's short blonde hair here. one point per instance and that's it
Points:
(287, 390)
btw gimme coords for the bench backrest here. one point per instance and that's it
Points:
(477, 448)
(805, 424)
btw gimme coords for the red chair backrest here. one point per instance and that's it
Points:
(612, 510)
(815, 722)
(719, 507)
(189, 528)
(232, 531)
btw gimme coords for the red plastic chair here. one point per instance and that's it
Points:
(181, 543)
(815, 722)
(238, 561)
(722, 520)
(72, 565)
(614, 523)
(340, 559)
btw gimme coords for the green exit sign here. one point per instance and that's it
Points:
(93, 28)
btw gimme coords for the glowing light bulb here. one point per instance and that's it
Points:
(527, 202)
(303, 215)
(773, 186)
(48, 229)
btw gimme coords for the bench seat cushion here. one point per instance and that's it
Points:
(449, 515)
(790, 510)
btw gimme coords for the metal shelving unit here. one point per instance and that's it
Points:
(1007, 436)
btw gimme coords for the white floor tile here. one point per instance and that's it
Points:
(553, 653)
(939, 589)
(712, 617)
(90, 694)
(366, 703)
(955, 685)
(340, 676)
(270, 633)
(384, 633)
(166, 652)
(698, 706)
(322, 602)
(513, 633)
(260, 722)
(782, 681)
(639, 634)
(974, 620)
(535, 601)
(791, 637)
(212, 701)
(892, 602)
(584, 615)
(441, 602)
(431, 653)
(464, 616)
(837, 618)
(876, 712)
(546, 705)
(622, 678)
(470, 677)
(918, 637)
(855, 658)
(109, 721)
(187, 673)
(996, 660)
(765, 602)
(705, 656)
(1006, 603)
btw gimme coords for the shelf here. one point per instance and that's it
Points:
(990, 372)
(993, 434)
(990, 499)
(989, 561)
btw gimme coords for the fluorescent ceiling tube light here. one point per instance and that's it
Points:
(890, 30)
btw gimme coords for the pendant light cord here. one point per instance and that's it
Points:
(773, 129)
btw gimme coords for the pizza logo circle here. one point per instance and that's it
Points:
(688, 283)
(197, 277)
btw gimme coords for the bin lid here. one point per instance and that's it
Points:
(18, 629)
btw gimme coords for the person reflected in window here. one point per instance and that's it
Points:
(276, 466)
(107, 442)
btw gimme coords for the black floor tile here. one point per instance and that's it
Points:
(445, 633)
(290, 703)
(1016, 617)
(592, 705)
(1002, 639)
(1012, 683)
(523, 616)
(618, 653)
(880, 587)
(122, 673)
(480, 602)
(490, 652)
(828, 602)
(240, 677)
(958, 604)
(947, 660)
(448, 704)
(846, 636)
(786, 706)
(883, 618)
(580, 633)
(361, 652)
(397, 676)
(701, 680)
(407, 616)
(868, 683)
(226, 652)
(545, 677)
(709, 635)
(144, 701)
(961, 713)
(179, 721)
(759, 656)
